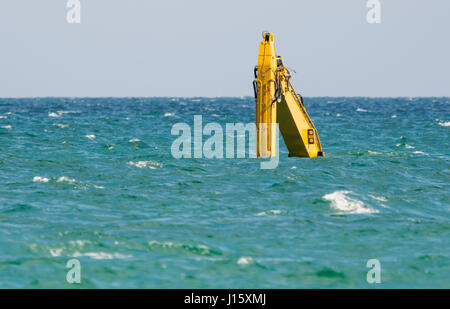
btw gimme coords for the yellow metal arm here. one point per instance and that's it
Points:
(277, 102)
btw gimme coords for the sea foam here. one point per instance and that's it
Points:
(269, 212)
(347, 205)
(245, 260)
(66, 179)
(444, 123)
(60, 113)
(145, 164)
(101, 255)
(40, 179)
(60, 125)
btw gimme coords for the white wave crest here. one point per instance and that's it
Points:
(60, 113)
(347, 205)
(444, 123)
(66, 179)
(269, 212)
(134, 140)
(245, 260)
(56, 252)
(145, 164)
(373, 152)
(90, 136)
(378, 198)
(79, 243)
(40, 179)
(101, 255)
(361, 110)
(60, 125)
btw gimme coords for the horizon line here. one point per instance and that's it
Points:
(207, 97)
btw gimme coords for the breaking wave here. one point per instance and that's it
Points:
(347, 205)
(145, 164)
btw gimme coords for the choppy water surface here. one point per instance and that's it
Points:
(94, 179)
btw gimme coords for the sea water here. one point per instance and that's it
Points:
(94, 179)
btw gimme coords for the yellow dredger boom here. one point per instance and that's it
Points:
(277, 102)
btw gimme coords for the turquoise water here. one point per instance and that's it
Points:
(94, 179)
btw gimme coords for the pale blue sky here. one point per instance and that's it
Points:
(209, 48)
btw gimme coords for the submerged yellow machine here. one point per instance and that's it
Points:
(278, 103)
